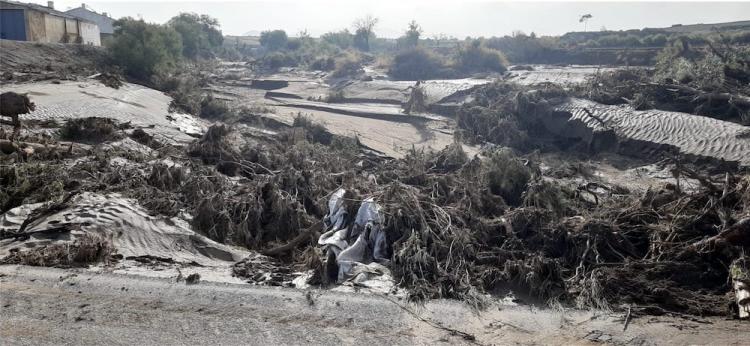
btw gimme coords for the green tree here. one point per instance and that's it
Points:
(200, 34)
(412, 34)
(274, 40)
(364, 31)
(142, 49)
(343, 39)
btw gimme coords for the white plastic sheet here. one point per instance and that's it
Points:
(354, 244)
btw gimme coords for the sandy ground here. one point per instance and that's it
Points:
(45, 306)
(142, 107)
(690, 134)
(562, 75)
(390, 137)
(374, 114)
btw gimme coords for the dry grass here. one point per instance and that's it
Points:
(90, 130)
(87, 249)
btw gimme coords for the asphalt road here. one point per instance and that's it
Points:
(45, 306)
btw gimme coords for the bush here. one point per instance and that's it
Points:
(349, 64)
(212, 108)
(185, 91)
(416, 64)
(276, 60)
(89, 130)
(142, 49)
(342, 39)
(323, 64)
(274, 40)
(335, 96)
(305, 129)
(507, 176)
(705, 73)
(474, 57)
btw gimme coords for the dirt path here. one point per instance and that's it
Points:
(44, 306)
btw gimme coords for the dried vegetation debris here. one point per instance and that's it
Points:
(457, 226)
(713, 84)
(85, 249)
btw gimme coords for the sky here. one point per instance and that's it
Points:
(437, 17)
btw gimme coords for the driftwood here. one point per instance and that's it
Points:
(9, 147)
(699, 95)
(736, 235)
(305, 235)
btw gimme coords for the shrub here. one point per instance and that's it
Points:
(274, 40)
(335, 96)
(705, 73)
(276, 60)
(347, 65)
(305, 129)
(142, 49)
(323, 64)
(342, 39)
(294, 44)
(474, 57)
(89, 130)
(416, 64)
(507, 176)
(185, 91)
(212, 108)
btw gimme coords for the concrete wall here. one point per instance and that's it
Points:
(36, 29)
(71, 28)
(55, 29)
(90, 33)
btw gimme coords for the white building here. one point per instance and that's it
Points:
(103, 20)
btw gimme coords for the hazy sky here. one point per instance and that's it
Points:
(453, 18)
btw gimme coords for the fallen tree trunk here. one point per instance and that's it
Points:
(736, 235)
(8, 147)
(306, 234)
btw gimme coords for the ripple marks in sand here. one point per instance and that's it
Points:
(690, 134)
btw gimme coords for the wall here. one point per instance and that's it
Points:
(71, 28)
(90, 33)
(55, 29)
(35, 27)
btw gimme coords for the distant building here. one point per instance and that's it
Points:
(31, 22)
(104, 21)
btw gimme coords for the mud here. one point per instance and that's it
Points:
(47, 306)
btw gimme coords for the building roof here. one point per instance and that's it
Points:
(104, 21)
(45, 9)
